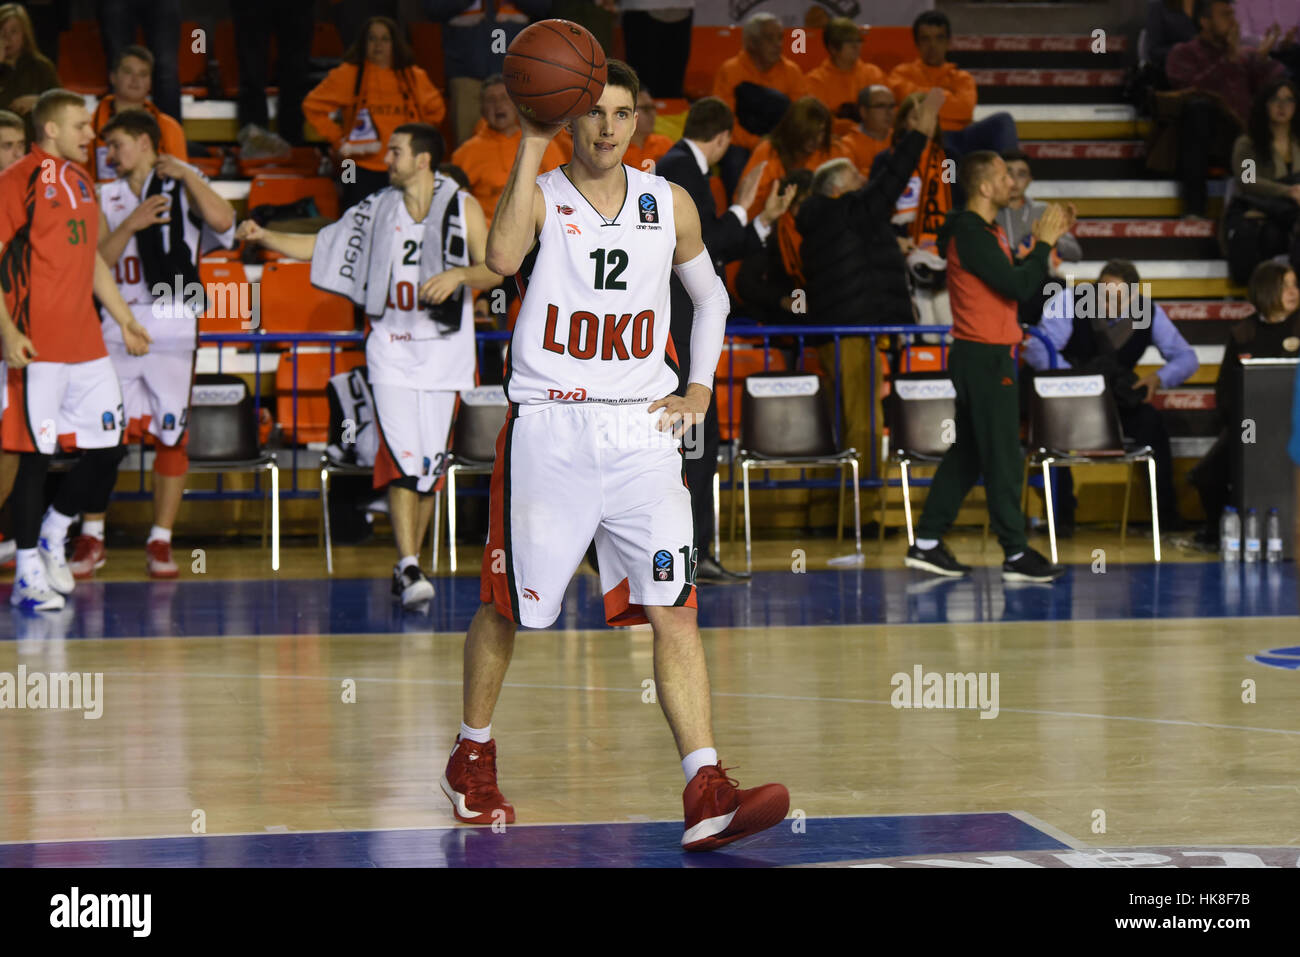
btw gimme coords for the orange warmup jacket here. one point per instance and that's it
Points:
(958, 108)
(391, 98)
(835, 87)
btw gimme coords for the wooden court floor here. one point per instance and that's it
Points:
(1115, 732)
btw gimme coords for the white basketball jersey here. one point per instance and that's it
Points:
(170, 317)
(594, 323)
(406, 347)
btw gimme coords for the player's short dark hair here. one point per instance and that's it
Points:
(1120, 269)
(425, 138)
(454, 172)
(707, 117)
(931, 18)
(620, 74)
(839, 31)
(973, 170)
(134, 123)
(1016, 156)
(13, 121)
(50, 105)
(135, 50)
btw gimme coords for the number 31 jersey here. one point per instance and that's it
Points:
(594, 323)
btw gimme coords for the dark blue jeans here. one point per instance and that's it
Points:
(292, 22)
(161, 21)
(996, 132)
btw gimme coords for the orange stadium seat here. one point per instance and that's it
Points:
(82, 67)
(426, 41)
(735, 364)
(223, 314)
(325, 41)
(192, 66)
(290, 303)
(314, 373)
(278, 189)
(301, 161)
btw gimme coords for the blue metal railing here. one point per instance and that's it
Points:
(871, 477)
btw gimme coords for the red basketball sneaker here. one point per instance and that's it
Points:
(717, 812)
(88, 554)
(470, 783)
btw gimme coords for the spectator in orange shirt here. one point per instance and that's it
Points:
(759, 62)
(132, 78)
(868, 139)
(376, 89)
(646, 143)
(933, 35)
(488, 155)
(802, 140)
(844, 74)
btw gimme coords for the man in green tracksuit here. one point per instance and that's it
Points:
(984, 286)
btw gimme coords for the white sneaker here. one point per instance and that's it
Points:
(411, 584)
(35, 596)
(8, 550)
(56, 567)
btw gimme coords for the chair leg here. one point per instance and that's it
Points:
(325, 511)
(717, 512)
(435, 524)
(1155, 509)
(749, 556)
(907, 502)
(732, 536)
(839, 514)
(1128, 491)
(275, 517)
(857, 510)
(1051, 515)
(451, 518)
(884, 505)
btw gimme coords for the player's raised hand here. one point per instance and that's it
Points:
(151, 212)
(18, 349)
(925, 117)
(250, 232)
(778, 201)
(437, 288)
(545, 131)
(170, 167)
(747, 188)
(136, 337)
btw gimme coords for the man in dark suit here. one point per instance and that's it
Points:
(728, 237)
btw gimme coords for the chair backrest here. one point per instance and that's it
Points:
(785, 415)
(230, 297)
(223, 422)
(290, 303)
(737, 362)
(279, 189)
(1070, 412)
(922, 414)
(479, 419)
(313, 368)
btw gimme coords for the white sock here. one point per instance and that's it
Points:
(54, 527)
(29, 567)
(160, 534)
(95, 529)
(478, 735)
(925, 544)
(1015, 557)
(699, 758)
(408, 560)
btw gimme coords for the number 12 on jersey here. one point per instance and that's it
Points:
(616, 260)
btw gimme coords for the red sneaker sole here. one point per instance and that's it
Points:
(751, 818)
(485, 818)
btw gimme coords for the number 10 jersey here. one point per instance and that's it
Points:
(594, 323)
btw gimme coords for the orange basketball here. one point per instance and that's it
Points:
(554, 70)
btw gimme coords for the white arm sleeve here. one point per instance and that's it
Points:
(709, 325)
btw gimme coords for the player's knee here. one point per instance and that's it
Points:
(672, 620)
(491, 618)
(171, 460)
(408, 482)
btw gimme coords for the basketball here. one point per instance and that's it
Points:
(554, 70)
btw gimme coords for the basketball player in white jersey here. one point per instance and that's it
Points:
(421, 242)
(156, 220)
(590, 446)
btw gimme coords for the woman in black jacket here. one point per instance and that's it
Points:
(1273, 331)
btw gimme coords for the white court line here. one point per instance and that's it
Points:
(716, 694)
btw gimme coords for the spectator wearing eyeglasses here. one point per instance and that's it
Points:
(871, 136)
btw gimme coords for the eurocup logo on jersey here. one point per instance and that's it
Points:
(663, 565)
(218, 300)
(649, 211)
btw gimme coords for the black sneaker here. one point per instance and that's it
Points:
(1031, 567)
(411, 585)
(936, 561)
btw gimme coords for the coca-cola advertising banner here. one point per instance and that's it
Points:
(794, 13)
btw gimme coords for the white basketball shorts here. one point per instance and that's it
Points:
(76, 403)
(155, 391)
(570, 473)
(414, 434)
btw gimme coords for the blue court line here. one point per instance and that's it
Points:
(653, 844)
(770, 600)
